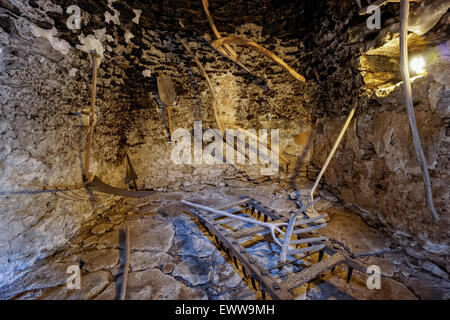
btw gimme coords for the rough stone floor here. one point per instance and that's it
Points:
(172, 256)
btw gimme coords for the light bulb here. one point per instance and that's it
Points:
(417, 65)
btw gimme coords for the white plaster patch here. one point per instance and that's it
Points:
(100, 34)
(128, 36)
(114, 18)
(147, 73)
(137, 12)
(60, 45)
(90, 43)
(73, 72)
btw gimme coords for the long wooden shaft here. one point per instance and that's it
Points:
(205, 75)
(249, 43)
(333, 151)
(404, 12)
(123, 288)
(91, 117)
(228, 48)
(169, 120)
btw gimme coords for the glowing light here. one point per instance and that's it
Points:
(417, 65)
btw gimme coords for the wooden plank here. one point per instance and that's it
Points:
(312, 272)
(309, 229)
(307, 249)
(248, 232)
(90, 136)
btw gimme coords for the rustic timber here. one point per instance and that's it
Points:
(312, 272)
(404, 68)
(252, 267)
(236, 252)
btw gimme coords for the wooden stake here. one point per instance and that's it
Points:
(330, 156)
(123, 288)
(169, 119)
(404, 68)
(95, 57)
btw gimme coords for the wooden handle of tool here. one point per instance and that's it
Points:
(91, 116)
(123, 288)
(169, 119)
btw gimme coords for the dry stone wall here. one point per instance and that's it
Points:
(45, 71)
(45, 74)
(375, 170)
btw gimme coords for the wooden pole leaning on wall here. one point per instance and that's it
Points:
(123, 288)
(330, 156)
(89, 141)
(404, 68)
(205, 75)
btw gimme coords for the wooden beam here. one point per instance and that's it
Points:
(123, 288)
(249, 43)
(312, 272)
(89, 141)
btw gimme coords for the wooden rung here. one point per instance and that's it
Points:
(258, 207)
(305, 221)
(293, 261)
(307, 240)
(307, 249)
(254, 230)
(312, 272)
(248, 232)
(309, 229)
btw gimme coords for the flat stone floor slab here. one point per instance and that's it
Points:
(172, 257)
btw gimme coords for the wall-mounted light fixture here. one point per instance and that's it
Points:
(417, 65)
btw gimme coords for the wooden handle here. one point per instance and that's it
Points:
(123, 289)
(169, 120)
(95, 58)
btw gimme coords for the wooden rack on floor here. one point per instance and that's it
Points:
(233, 244)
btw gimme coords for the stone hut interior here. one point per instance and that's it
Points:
(224, 150)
